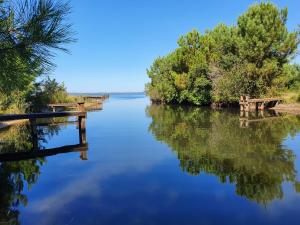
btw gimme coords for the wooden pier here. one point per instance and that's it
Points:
(32, 118)
(91, 103)
(247, 104)
(79, 106)
(97, 98)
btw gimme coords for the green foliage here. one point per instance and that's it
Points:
(182, 76)
(265, 44)
(29, 31)
(290, 77)
(228, 61)
(13, 103)
(46, 92)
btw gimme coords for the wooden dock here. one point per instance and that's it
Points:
(79, 106)
(32, 118)
(96, 98)
(90, 103)
(247, 104)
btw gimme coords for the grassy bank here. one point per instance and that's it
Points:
(290, 103)
(291, 96)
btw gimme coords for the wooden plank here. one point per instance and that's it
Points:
(63, 105)
(264, 100)
(96, 97)
(7, 117)
(93, 97)
(17, 156)
(72, 104)
(259, 100)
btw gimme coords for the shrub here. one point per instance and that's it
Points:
(13, 103)
(47, 92)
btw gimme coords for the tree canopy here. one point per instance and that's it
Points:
(227, 61)
(31, 31)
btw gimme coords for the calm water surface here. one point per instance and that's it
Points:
(151, 164)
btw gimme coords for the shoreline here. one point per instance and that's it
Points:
(293, 109)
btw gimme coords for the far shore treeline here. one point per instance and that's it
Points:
(252, 57)
(31, 31)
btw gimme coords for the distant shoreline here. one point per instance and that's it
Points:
(103, 93)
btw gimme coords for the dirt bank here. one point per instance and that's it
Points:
(288, 108)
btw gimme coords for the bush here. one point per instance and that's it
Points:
(13, 103)
(46, 92)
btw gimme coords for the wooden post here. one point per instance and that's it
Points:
(241, 107)
(80, 106)
(247, 114)
(242, 113)
(83, 155)
(247, 107)
(82, 129)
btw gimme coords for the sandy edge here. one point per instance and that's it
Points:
(288, 108)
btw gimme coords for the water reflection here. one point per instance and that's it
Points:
(22, 154)
(257, 116)
(213, 142)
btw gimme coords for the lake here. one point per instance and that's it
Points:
(154, 164)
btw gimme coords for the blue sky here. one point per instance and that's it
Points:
(118, 40)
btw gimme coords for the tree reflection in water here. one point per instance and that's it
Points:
(14, 176)
(213, 142)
